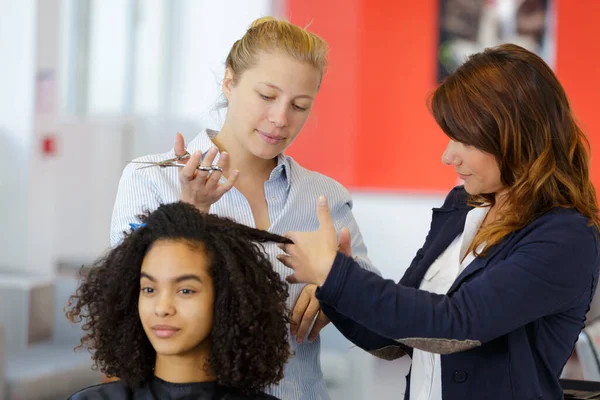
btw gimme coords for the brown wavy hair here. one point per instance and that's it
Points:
(249, 335)
(506, 101)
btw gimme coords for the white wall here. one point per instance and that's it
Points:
(17, 20)
(94, 152)
(207, 30)
(394, 226)
(42, 176)
(60, 205)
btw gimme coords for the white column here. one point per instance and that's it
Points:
(41, 204)
(17, 50)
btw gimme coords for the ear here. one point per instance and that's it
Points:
(227, 84)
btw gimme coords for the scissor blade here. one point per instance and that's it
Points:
(169, 163)
(159, 163)
(148, 166)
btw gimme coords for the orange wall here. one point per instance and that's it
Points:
(578, 67)
(370, 127)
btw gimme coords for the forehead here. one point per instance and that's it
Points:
(284, 72)
(167, 259)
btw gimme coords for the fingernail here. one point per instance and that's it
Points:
(299, 340)
(322, 200)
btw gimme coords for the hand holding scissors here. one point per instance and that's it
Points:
(198, 177)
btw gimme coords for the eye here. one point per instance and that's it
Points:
(265, 97)
(147, 290)
(187, 291)
(298, 108)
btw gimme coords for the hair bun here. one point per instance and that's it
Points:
(261, 20)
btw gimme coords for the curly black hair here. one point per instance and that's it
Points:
(249, 335)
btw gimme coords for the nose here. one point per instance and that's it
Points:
(449, 156)
(164, 306)
(278, 115)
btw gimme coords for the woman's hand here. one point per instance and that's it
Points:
(306, 309)
(202, 188)
(312, 254)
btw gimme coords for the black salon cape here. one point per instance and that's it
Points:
(159, 390)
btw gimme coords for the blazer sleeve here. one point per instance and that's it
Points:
(547, 271)
(365, 338)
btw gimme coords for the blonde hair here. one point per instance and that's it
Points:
(268, 34)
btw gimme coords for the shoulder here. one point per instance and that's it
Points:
(159, 176)
(150, 158)
(156, 157)
(559, 245)
(112, 390)
(193, 145)
(136, 174)
(315, 183)
(565, 226)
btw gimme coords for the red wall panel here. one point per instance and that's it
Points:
(328, 142)
(578, 68)
(370, 126)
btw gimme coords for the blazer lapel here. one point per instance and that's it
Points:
(446, 225)
(479, 263)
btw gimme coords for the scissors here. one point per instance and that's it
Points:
(174, 162)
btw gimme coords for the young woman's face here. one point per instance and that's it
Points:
(176, 298)
(270, 103)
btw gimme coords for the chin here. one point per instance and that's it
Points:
(472, 191)
(168, 350)
(266, 151)
(267, 154)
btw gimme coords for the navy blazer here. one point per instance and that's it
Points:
(508, 324)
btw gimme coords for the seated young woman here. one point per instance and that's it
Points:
(187, 306)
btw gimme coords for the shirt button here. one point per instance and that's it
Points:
(460, 376)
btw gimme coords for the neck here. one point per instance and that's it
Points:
(250, 166)
(499, 201)
(185, 368)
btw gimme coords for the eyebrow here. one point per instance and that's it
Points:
(281, 90)
(178, 279)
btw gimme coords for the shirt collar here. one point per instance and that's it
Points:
(203, 143)
(282, 169)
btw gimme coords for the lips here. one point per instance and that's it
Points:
(164, 331)
(270, 138)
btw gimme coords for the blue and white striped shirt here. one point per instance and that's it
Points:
(291, 194)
